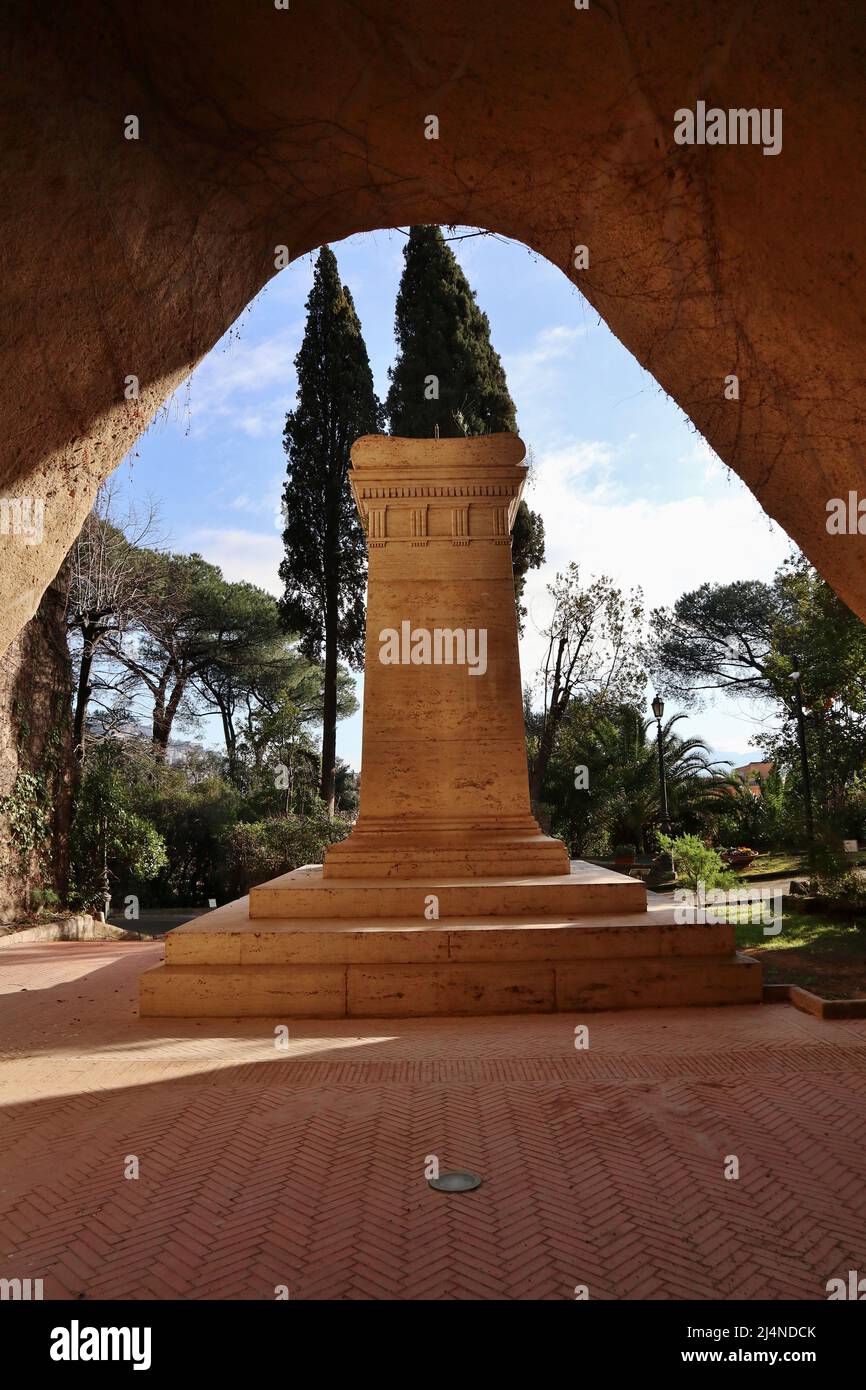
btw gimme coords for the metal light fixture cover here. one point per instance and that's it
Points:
(455, 1182)
(658, 706)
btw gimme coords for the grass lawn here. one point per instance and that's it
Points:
(787, 862)
(777, 862)
(825, 956)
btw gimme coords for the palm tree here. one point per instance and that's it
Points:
(617, 798)
(696, 785)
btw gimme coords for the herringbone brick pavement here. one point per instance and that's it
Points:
(303, 1166)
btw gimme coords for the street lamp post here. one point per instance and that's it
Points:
(662, 871)
(804, 757)
(658, 708)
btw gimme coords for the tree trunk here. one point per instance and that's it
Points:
(231, 741)
(36, 743)
(159, 735)
(824, 776)
(542, 758)
(327, 786)
(536, 777)
(164, 714)
(82, 696)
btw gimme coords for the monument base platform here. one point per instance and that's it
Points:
(307, 892)
(499, 946)
(413, 853)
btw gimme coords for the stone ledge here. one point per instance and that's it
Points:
(448, 988)
(234, 940)
(306, 893)
(814, 1004)
(76, 927)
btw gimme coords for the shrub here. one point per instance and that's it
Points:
(260, 850)
(842, 883)
(106, 830)
(697, 863)
(194, 820)
(44, 901)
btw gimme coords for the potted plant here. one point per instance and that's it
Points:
(623, 856)
(740, 857)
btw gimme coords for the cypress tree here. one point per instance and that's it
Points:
(448, 373)
(325, 565)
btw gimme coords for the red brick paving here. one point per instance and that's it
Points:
(262, 1167)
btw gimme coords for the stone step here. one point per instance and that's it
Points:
(478, 856)
(306, 893)
(426, 990)
(228, 937)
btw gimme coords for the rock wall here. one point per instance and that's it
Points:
(35, 758)
(259, 128)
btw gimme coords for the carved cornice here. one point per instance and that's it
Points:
(433, 490)
(371, 492)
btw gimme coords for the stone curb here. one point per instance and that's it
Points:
(809, 903)
(78, 927)
(813, 1003)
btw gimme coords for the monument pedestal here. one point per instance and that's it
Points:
(447, 897)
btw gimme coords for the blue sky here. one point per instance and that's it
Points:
(625, 485)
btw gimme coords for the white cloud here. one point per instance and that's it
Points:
(254, 425)
(554, 342)
(529, 372)
(243, 386)
(253, 556)
(665, 547)
(702, 453)
(267, 504)
(243, 368)
(578, 466)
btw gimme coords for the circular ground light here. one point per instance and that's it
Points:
(455, 1182)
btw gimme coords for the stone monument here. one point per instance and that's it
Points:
(447, 897)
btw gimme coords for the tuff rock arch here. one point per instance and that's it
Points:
(261, 127)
